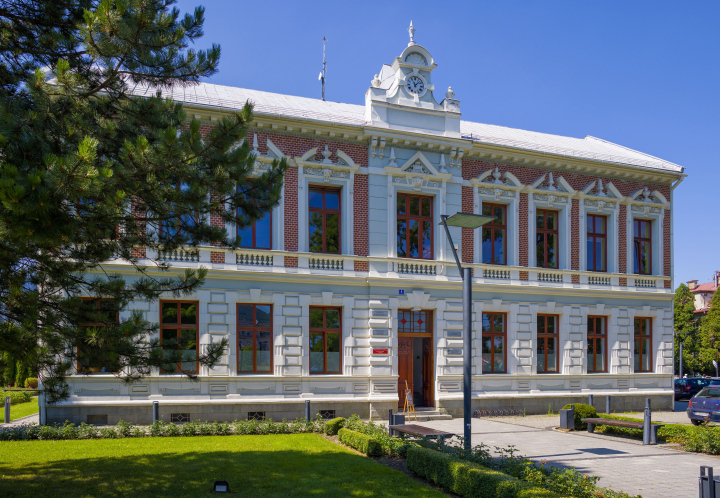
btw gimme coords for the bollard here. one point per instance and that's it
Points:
(307, 409)
(390, 422)
(607, 404)
(7, 409)
(590, 399)
(647, 422)
(708, 483)
(156, 411)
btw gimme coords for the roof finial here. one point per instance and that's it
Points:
(411, 30)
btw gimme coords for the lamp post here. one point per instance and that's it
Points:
(465, 220)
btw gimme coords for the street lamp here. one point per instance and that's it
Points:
(465, 220)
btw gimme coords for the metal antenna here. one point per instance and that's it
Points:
(321, 77)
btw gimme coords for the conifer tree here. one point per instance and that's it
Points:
(686, 328)
(90, 172)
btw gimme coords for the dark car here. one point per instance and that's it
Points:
(705, 406)
(687, 388)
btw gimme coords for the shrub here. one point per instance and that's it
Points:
(393, 446)
(31, 383)
(582, 411)
(468, 479)
(333, 426)
(361, 442)
(16, 397)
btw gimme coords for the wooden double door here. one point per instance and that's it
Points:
(415, 357)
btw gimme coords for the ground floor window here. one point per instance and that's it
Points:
(597, 344)
(325, 335)
(494, 337)
(254, 336)
(643, 345)
(91, 356)
(547, 344)
(179, 335)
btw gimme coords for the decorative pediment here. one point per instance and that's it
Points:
(644, 195)
(417, 172)
(600, 189)
(326, 168)
(263, 162)
(419, 164)
(551, 184)
(497, 178)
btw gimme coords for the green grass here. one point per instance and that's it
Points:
(23, 409)
(264, 466)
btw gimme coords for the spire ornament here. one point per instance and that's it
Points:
(411, 30)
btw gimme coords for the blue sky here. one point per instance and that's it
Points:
(641, 74)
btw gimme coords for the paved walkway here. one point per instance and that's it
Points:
(30, 419)
(622, 464)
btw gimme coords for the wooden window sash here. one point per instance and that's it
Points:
(594, 236)
(547, 231)
(492, 336)
(595, 337)
(639, 337)
(94, 324)
(493, 226)
(407, 217)
(638, 240)
(324, 212)
(179, 327)
(556, 336)
(325, 331)
(255, 329)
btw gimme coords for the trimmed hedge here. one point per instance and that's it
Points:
(16, 397)
(334, 425)
(361, 442)
(31, 383)
(582, 411)
(468, 479)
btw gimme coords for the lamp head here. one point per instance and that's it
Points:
(467, 220)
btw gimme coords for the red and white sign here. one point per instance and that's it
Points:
(380, 350)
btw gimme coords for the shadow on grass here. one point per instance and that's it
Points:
(165, 472)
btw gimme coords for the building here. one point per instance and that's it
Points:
(703, 294)
(348, 289)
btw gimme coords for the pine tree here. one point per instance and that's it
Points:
(686, 329)
(711, 335)
(88, 171)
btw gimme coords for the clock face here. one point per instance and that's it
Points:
(414, 85)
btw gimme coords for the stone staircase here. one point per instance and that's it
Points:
(426, 415)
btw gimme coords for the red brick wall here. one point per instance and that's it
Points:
(575, 235)
(291, 215)
(622, 238)
(467, 246)
(297, 146)
(667, 241)
(217, 257)
(523, 232)
(360, 221)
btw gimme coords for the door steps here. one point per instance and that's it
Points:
(426, 415)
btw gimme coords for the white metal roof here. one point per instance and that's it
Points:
(226, 97)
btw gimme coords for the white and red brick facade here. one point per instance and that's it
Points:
(405, 143)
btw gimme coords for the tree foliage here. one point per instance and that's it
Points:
(91, 170)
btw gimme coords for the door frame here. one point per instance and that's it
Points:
(431, 336)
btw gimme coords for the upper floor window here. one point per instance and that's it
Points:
(596, 344)
(414, 226)
(254, 336)
(546, 235)
(494, 335)
(642, 233)
(325, 335)
(596, 242)
(547, 343)
(176, 227)
(259, 234)
(179, 333)
(494, 235)
(643, 345)
(324, 206)
(92, 358)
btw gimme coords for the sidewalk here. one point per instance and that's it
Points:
(622, 464)
(30, 419)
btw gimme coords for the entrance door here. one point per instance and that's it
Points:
(427, 371)
(405, 367)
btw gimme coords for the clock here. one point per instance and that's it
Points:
(415, 85)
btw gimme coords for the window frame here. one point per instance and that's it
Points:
(95, 324)
(427, 315)
(545, 232)
(593, 235)
(492, 342)
(545, 335)
(636, 240)
(325, 331)
(649, 337)
(325, 211)
(595, 336)
(179, 327)
(407, 217)
(253, 227)
(495, 226)
(254, 329)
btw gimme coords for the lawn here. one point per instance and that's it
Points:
(23, 409)
(264, 466)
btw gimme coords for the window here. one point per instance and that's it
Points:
(596, 243)
(259, 234)
(414, 322)
(494, 235)
(493, 343)
(325, 334)
(547, 344)
(179, 334)
(254, 336)
(176, 227)
(546, 234)
(643, 345)
(597, 344)
(414, 226)
(643, 247)
(324, 220)
(93, 358)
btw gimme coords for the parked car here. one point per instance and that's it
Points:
(687, 388)
(705, 406)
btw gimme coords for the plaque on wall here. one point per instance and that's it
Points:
(380, 332)
(453, 352)
(380, 350)
(454, 333)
